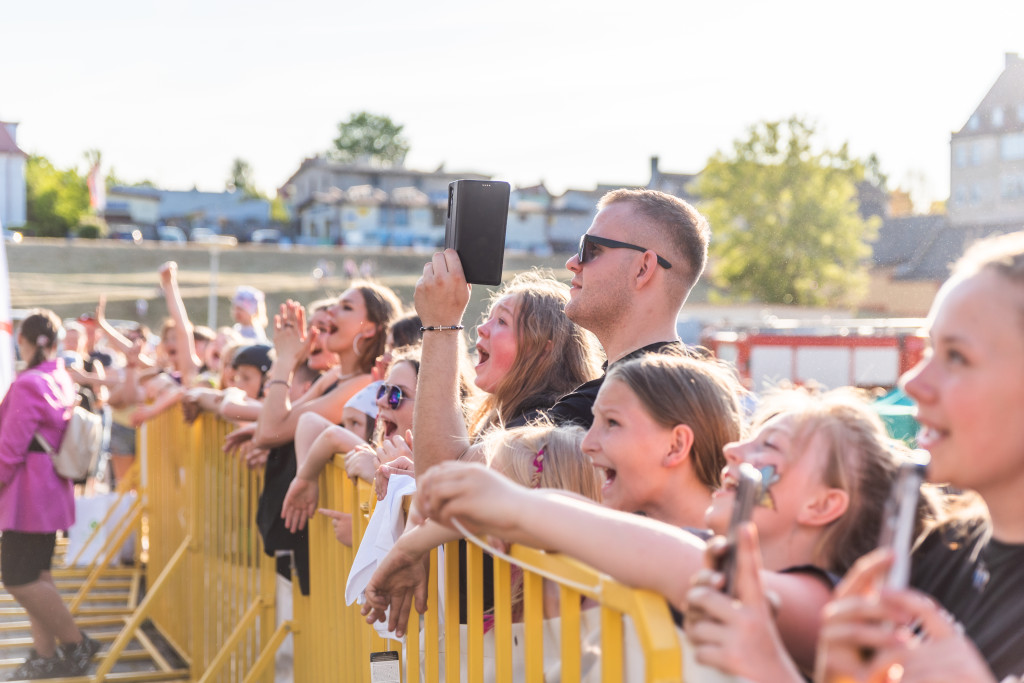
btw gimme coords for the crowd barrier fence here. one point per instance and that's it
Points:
(211, 589)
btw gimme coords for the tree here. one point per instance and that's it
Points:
(370, 135)
(56, 199)
(241, 179)
(785, 218)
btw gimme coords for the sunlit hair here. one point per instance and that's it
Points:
(682, 226)
(563, 465)
(1002, 254)
(553, 354)
(861, 459)
(320, 305)
(41, 324)
(227, 359)
(702, 393)
(382, 306)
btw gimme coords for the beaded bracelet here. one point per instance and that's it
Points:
(442, 328)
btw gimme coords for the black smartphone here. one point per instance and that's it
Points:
(900, 518)
(475, 227)
(748, 491)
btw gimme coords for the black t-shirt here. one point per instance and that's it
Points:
(577, 407)
(980, 581)
(280, 470)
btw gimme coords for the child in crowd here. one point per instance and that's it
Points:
(828, 465)
(249, 310)
(968, 389)
(538, 456)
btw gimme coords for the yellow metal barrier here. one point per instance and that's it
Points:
(212, 589)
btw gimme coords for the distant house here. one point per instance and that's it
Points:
(12, 178)
(987, 158)
(360, 203)
(231, 213)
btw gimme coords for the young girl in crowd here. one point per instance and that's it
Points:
(660, 425)
(969, 390)
(392, 404)
(36, 502)
(828, 466)
(249, 309)
(539, 456)
(528, 355)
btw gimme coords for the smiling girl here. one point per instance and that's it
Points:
(827, 458)
(969, 390)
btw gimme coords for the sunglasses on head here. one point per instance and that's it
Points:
(586, 250)
(394, 394)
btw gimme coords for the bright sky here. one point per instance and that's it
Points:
(526, 91)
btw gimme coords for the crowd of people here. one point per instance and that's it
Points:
(582, 425)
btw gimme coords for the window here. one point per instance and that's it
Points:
(960, 155)
(977, 154)
(960, 195)
(1011, 147)
(1012, 185)
(997, 117)
(972, 123)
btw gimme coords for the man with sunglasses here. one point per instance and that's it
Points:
(633, 270)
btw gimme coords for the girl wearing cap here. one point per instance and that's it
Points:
(249, 310)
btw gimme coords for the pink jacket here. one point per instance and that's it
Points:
(33, 498)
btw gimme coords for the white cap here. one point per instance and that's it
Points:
(365, 400)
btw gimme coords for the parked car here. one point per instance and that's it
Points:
(170, 233)
(12, 236)
(207, 236)
(265, 236)
(127, 235)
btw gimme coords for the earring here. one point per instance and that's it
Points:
(355, 343)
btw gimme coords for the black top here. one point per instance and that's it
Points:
(280, 470)
(577, 407)
(980, 581)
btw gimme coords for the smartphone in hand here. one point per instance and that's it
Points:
(748, 491)
(900, 520)
(475, 227)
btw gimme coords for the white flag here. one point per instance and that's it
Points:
(6, 329)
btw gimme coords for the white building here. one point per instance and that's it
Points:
(12, 178)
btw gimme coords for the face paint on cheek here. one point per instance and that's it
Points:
(769, 476)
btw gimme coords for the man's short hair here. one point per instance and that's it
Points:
(685, 228)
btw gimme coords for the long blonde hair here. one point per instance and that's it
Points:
(553, 354)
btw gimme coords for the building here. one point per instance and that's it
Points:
(12, 178)
(987, 158)
(361, 203)
(230, 213)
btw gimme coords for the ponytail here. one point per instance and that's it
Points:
(42, 329)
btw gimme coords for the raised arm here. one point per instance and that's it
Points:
(441, 297)
(279, 418)
(188, 363)
(118, 340)
(635, 550)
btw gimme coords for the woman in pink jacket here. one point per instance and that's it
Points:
(35, 502)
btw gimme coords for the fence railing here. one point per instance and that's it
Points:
(212, 589)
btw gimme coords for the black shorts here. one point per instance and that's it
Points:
(24, 556)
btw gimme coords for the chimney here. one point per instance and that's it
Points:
(654, 169)
(1012, 58)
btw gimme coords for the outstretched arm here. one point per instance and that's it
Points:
(187, 362)
(441, 297)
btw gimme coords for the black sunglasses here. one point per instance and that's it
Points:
(586, 251)
(394, 393)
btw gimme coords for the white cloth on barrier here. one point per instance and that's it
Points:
(89, 512)
(385, 526)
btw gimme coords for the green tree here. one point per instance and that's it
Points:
(241, 179)
(56, 199)
(785, 218)
(370, 135)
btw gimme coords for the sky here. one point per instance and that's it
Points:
(571, 94)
